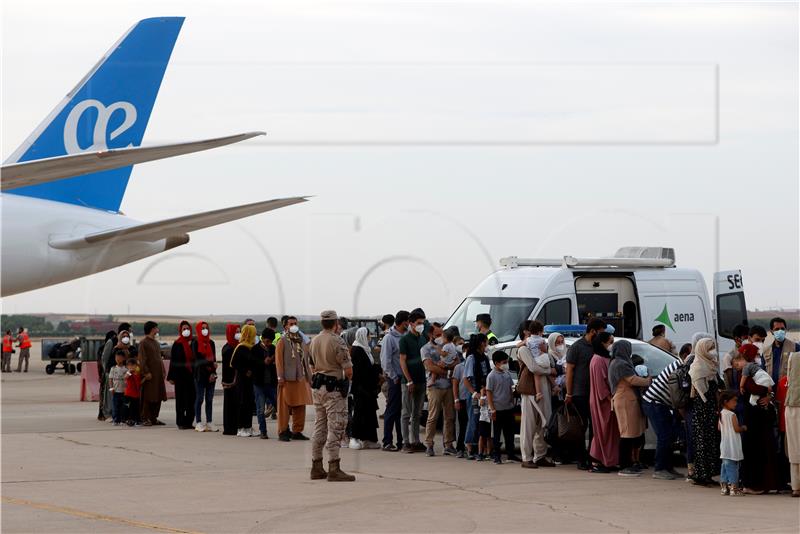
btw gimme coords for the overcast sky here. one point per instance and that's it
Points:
(436, 137)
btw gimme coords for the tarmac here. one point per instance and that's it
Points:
(63, 471)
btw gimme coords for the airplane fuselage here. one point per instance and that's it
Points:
(30, 225)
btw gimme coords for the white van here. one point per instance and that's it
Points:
(636, 289)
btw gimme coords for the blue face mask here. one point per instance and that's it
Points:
(780, 335)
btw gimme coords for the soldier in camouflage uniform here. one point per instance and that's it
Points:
(332, 371)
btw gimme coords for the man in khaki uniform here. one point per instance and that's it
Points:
(332, 371)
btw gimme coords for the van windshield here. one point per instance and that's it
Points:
(507, 314)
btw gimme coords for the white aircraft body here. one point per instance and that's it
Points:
(63, 187)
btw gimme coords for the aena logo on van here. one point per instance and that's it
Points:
(664, 318)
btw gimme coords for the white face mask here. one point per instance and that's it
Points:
(186, 333)
(204, 331)
(237, 336)
(439, 340)
(504, 367)
(561, 349)
(420, 328)
(759, 344)
(125, 340)
(294, 329)
(713, 353)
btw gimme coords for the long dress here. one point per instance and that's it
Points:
(230, 394)
(244, 386)
(365, 396)
(760, 467)
(705, 434)
(181, 374)
(605, 440)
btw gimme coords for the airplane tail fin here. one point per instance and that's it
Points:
(109, 108)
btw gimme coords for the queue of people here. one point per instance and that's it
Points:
(739, 414)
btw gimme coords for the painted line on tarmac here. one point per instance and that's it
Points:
(97, 517)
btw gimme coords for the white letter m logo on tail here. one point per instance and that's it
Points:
(100, 127)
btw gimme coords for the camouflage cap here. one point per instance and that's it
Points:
(329, 315)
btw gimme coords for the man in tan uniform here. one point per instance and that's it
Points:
(330, 383)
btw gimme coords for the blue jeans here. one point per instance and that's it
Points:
(264, 394)
(729, 473)
(474, 415)
(204, 390)
(660, 416)
(116, 407)
(391, 417)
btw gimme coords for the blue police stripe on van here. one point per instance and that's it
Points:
(108, 109)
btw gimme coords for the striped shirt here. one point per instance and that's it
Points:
(658, 392)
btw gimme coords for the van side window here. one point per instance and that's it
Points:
(556, 312)
(730, 312)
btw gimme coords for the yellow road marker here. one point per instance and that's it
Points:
(97, 517)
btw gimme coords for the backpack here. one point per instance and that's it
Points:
(680, 386)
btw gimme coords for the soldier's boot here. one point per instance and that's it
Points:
(317, 471)
(337, 475)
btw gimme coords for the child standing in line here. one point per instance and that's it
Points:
(133, 388)
(730, 446)
(484, 428)
(116, 379)
(500, 392)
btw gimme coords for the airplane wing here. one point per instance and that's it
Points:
(176, 227)
(15, 175)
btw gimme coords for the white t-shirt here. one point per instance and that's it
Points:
(726, 362)
(730, 445)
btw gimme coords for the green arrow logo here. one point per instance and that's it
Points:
(664, 318)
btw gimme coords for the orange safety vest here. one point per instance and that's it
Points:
(26, 341)
(8, 344)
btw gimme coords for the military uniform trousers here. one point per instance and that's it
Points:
(330, 423)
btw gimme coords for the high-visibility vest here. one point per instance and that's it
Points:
(490, 336)
(25, 342)
(8, 344)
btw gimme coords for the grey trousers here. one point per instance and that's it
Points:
(412, 410)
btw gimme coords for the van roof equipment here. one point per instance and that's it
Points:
(626, 257)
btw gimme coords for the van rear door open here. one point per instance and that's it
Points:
(729, 304)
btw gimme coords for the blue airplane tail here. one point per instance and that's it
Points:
(109, 108)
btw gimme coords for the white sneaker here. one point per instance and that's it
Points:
(200, 427)
(211, 428)
(355, 444)
(241, 433)
(249, 432)
(370, 445)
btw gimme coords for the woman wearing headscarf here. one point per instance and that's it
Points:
(706, 383)
(625, 402)
(230, 393)
(240, 361)
(604, 448)
(762, 470)
(205, 377)
(102, 375)
(181, 376)
(365, 389)
(689, 411)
